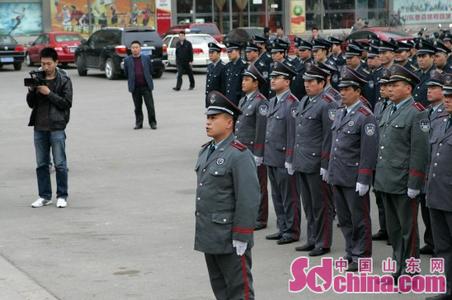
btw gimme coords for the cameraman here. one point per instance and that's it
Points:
(50, 102)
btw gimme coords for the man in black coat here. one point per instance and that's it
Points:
(184, 59)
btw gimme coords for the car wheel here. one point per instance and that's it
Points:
(157, 74)
(110, 70)
(28, 60)
(81, 66)
(17, 66)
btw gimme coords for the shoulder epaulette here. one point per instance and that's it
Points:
(419, 106)
(259, 96)
(236, 144)
(327, 98)
(365, 111)
(292, 98)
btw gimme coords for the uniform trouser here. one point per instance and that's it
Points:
(442, 238)
(353, 213)
(286, 201)
(138, 95)
(401, 219)
(262, 216)
(381, 211)
(181, 69)
(318, 208)
(428, 237)
(230, 276)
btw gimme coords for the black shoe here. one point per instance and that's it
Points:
(286, 240)
(260, 226)
(319, 251)
(274, 236)
(176, 89)
(153, 125)
(305, 247)
(352, 267)
(426, 250)
(191, 88)
(380, 236)
(138, 127)
(440, 297)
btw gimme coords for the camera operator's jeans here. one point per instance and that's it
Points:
(44, 142)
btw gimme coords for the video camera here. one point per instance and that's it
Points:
(36, 79)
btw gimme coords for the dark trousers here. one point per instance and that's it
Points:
(262, 216)
(353, 213)
(442, 237)
(381, 211)
(286, 201)
(401, 219)
(181, 69)
(318, 208)
(425, 213)
(138, 95)
(230, 276)
(55, 141)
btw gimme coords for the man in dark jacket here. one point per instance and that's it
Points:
(184, 59)
(50, 103)
(138, 69)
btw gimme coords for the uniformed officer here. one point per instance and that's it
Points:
(233, 73)
(336, 56)
(332, 80)
(278, 155)
(353, 159)
(253, 56)
(424, 56)
(314, 116)
(250, 130)
(295, 61)
(214, 78)
(265, 55)
(305, 52)
(447, 40)
(439, 189)
(278, 50)
(442, 54)
(227, 200)
(401, 163)
(320, 49)
(403, 54)
(375, 70)
(386, 55)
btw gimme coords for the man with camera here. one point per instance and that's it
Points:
(50, 98)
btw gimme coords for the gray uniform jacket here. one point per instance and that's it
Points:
(439, 186)
(251, 124)
(227, 197)
(380, 107)
(313, 133)
(280, 133)
(403, 149)
(354, 147)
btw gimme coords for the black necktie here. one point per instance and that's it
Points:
(385, 104)
(244, 102)
(393, 109)
(345, 113)
(211, 149)
(276, 102)
(430, 111)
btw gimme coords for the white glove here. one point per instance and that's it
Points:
(413, 193)
(362, 189)
(324, 174)
(240, 247)
(289, 168)
(259, 160)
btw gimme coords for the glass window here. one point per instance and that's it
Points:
(184, 6)
(174, 42)
(67, 38)
(203, 6)
(339, 20)
(275, 6)
(200, 39)
(184, 19)
(274, 21)
(257, 7)
(6, 39)
(257, 20)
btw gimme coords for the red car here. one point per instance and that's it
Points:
(208, 28)
(382, 33)
(64, 43)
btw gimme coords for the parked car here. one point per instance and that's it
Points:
(11, 52)
(64, 43)
(207, 28)
(106, 49)
(382, 33)
(200, 49)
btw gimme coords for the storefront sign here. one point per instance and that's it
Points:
(297, 16)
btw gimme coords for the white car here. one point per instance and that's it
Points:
(200, 46)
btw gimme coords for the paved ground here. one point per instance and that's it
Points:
(128, 230)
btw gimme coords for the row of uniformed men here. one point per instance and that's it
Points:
(328, 154)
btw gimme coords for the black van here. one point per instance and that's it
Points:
(106, 49)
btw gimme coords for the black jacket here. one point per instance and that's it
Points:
(184, 52)
(60, 103)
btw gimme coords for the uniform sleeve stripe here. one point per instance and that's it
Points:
(417, 173)
(365, 171)
(242, 230)
(325, 154)
(289, 151)
(258, 146)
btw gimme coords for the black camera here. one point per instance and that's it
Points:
(36, 79)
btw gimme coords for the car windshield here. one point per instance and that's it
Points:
(200, 39)
(6, 39)
(67, 38)
(145, 37)
(205, 29)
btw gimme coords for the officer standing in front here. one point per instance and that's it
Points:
(439, 190)
(214, 78)
(353, 159)
(250, 130)
(401, 163)
(232, 73)
(227, 199)
(278, 155)
(313, 119)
